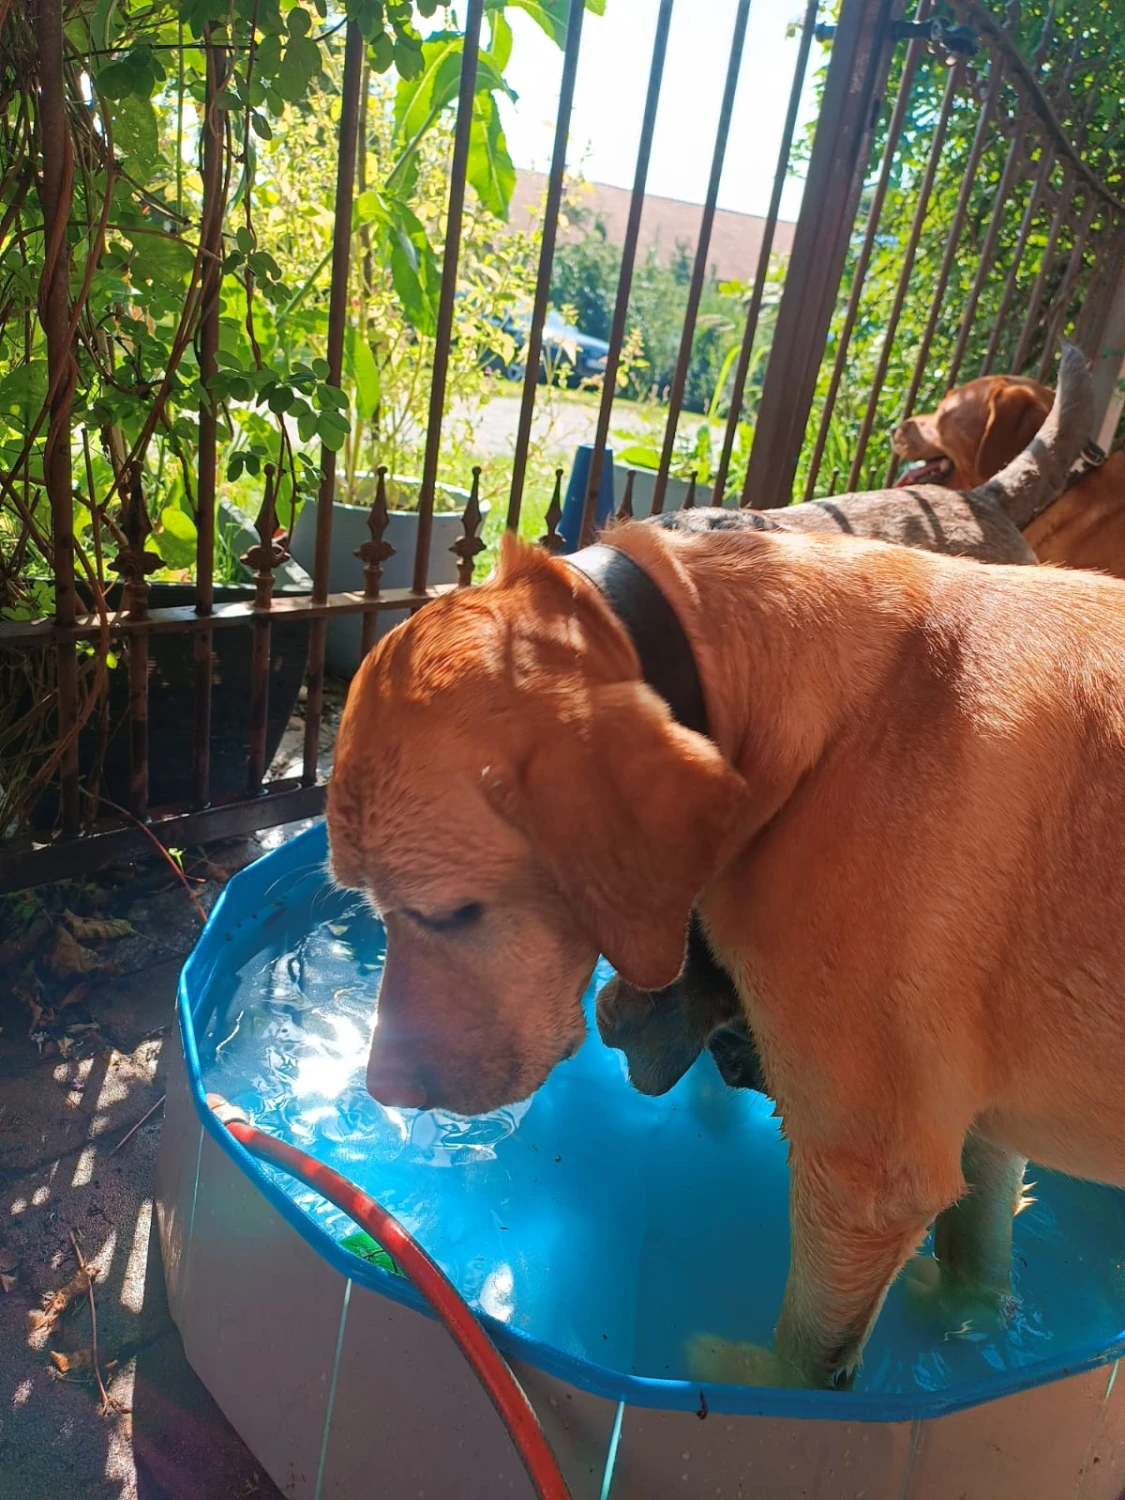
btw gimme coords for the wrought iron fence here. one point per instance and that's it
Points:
(960, 230)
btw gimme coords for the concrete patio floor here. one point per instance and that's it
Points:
(60, 1120)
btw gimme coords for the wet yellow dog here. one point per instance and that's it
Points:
(904, 839)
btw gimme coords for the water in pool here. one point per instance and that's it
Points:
(604, 1223)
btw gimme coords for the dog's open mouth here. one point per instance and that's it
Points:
(929, 471)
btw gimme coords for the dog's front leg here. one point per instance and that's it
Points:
(855, 1218)
(973, 1238)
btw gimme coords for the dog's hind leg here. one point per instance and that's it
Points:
(973, 1238)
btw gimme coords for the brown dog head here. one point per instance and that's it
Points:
(515, 800)
(975, 431)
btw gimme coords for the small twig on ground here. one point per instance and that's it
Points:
(148, 833)
(131, 1132)
(108, 1403)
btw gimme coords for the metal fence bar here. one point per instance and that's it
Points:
(863, 260)
(334, 354)
(1012, 164)
(857, 72)
(181, 619)
(625, 277)
(56, 191)
(1043, 172)
(534, 349)
(754, 311)
(1109, 354)
(1063, 204)
(1061, 300)
(997, 32)
(1094, 327)
(137, 654)
(702, 250)
(952, 242)
(450, 260)
(211, 284)
(282, 802)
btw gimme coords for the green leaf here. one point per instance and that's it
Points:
(244, 239)
(551, 14)
(414, 269)
(382, 53)
(180, 525)
(408, 55)
(334, 421)
(490, 167)
(160, 259)
(640, 456)
(175, 541)
(267, 59)
(361, 369)
(279, 398)
(434, 87)
(261, 126)
(500, 40)
(329, 431)
(361, 1243)
(116, 80)
(136, 133)
(369, 208)
(331, 398)
(299, 66)
(298, 22)
(24, 388)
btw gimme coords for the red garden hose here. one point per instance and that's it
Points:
(516, 1411)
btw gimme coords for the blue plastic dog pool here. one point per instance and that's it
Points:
(596, 1231)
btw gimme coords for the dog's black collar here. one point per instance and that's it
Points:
(657, 635)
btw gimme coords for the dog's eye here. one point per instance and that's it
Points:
(464, 916)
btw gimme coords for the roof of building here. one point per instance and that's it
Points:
(666, 223)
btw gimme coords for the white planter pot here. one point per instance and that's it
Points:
(645, 483)
(345, 571)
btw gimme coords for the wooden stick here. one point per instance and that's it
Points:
(108, 1403)
(131, 1132)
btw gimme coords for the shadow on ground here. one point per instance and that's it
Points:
(61, 1118)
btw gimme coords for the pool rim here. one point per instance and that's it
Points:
(703, 1398)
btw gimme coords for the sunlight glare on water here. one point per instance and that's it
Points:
(609, 1225)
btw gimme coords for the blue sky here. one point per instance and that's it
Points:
(609, 100)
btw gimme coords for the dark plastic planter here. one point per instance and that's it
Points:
(171, 708)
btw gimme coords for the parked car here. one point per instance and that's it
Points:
(579, 356)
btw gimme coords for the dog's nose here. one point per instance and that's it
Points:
(393, 1081)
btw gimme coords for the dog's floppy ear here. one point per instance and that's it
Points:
(632, 814)
(1015, 415)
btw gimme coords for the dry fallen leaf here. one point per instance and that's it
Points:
(56, 1303)
(75, 995)
(17, 949)
(99, 929)
(67, 956)
(70, 1364)
(7, 1283)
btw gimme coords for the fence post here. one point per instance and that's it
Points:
(1109, 365)
(853, 88)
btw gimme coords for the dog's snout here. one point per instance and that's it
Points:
(395, 1081)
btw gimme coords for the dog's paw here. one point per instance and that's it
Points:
(724, 1362)
(934, 1292)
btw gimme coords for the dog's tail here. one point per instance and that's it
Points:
(1036, 477)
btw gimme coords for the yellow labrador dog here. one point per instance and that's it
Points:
(903, 838)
